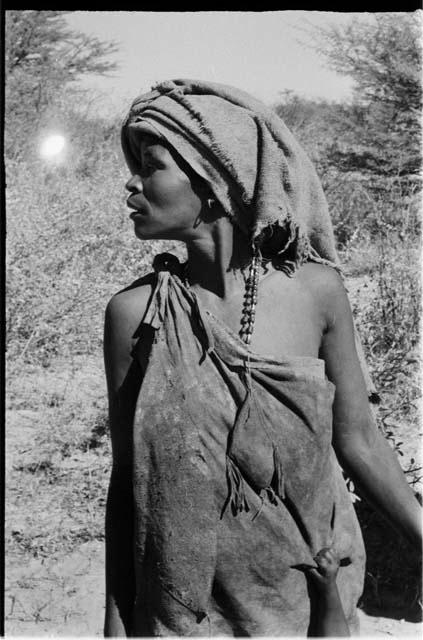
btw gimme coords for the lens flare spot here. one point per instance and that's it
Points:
(52, 146)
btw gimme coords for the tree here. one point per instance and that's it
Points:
(43, 61)
(383, 56)
(314, 122)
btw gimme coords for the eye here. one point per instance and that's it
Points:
(150, 163)
(147, 168)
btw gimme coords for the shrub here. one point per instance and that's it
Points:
(70, 244)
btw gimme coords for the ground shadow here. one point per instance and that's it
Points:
(393, 583)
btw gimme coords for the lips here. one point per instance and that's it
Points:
(139, 207)
(134, 215)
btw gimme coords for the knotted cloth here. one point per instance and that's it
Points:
(252, 163)
(212, 564)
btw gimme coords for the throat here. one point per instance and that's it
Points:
(235, 305)
(217, 259)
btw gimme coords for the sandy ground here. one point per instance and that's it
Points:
(69, 596)
(62, 594)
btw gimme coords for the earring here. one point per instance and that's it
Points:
(211, 202)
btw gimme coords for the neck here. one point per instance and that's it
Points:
(215, 260)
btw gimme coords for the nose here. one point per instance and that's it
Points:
(134, 184)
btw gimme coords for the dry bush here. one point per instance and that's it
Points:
(383, 254)
(386, 246)
(70, 246)
(364, 208)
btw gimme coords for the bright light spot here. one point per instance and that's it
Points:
(52, 146)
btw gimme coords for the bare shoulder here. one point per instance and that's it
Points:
(326, 286)
(127, 307)
(321, 284)
(316, 277)
(321, 278)
(124, 314)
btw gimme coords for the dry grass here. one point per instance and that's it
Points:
(57, 459)
(58, 464)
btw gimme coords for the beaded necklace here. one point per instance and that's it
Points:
(250, 296)
(250, 300)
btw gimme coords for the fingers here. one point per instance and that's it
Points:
(314, 573)
(327, 555)
(327, 561)
(321, 579)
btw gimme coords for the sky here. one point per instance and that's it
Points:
(261, 52)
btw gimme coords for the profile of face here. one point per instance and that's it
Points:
(165, 200)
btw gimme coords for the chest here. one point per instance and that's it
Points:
(288, 320)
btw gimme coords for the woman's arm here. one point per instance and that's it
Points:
(123, 375)
(120, 588)
(362, 450)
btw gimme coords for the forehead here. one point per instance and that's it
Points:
(153, 146)
(139, 141)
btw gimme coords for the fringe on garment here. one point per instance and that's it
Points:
(293, 252)
(237, 498)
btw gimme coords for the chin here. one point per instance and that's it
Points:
(142, 232)
(142, 235)
(145, 233)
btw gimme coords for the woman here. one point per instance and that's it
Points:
(225, 375)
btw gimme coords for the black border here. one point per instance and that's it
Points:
(346, 6)
(2, 330)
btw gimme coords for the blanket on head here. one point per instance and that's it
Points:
(236, 486)
(253, 164)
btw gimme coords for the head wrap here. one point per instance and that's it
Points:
(260, 174)
(256, 169)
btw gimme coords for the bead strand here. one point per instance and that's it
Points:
(250, 301)
(248, 315)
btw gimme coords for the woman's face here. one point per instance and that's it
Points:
(163, 200)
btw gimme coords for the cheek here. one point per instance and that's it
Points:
(175, 192)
